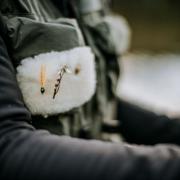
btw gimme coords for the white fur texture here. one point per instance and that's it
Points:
(120, 32)
(75, 89)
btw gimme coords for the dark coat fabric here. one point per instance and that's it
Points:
(26, 153)
(141, 126)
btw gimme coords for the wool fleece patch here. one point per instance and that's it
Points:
(56, 82)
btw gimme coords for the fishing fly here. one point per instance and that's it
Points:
(61, 73)
(42, 78)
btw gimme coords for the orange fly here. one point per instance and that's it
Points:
(42, 78)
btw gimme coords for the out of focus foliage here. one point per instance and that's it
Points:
(155, 23)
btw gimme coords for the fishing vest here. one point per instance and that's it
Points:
(66, 59)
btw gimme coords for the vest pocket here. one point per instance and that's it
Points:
(55, 70)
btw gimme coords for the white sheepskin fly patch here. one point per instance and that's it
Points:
(76, 85)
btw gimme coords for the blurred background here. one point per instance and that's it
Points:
(151, 68)
(155, 23)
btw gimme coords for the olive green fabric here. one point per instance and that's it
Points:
(30, 37)
(40, 26)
